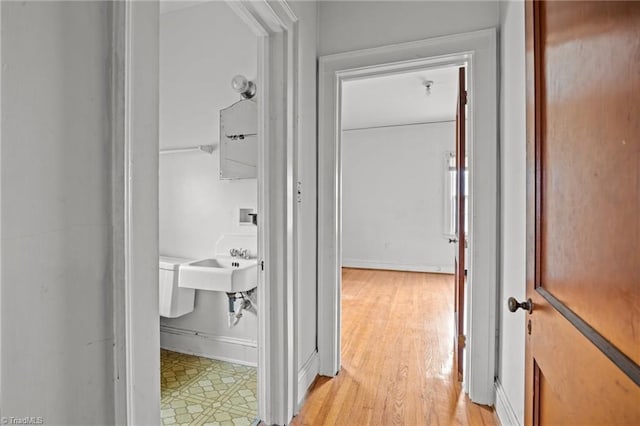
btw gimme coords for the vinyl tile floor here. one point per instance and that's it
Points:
(207, 392)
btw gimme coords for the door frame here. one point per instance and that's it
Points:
(479, 50)
(135, 101)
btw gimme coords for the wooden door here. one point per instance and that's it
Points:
(583, 213)
(461, 190)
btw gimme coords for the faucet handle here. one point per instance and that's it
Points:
(233, 252)
(243, 253)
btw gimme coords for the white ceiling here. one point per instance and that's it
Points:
(400, 99)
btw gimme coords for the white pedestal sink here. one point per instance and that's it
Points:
(223, 273)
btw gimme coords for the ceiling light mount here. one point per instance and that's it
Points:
(428, 84)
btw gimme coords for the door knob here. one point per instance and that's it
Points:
(514, 305)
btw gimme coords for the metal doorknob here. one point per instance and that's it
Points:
(514, 305)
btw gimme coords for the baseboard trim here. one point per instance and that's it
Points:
(504, 410)
(223, 348)
(306, 375)
(370, 264)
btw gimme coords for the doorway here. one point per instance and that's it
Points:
(399, 215)
(478, 51)
(135, 208)
(401, 137)
(207, 201)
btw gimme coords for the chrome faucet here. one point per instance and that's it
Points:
(239, 252)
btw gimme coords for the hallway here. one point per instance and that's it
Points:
(397, 356)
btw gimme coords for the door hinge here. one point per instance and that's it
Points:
(462, 340)
(464, 97)
(299, 191)
(262, 265)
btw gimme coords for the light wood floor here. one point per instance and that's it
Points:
(397, 356)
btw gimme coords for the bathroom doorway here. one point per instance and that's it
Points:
(136, 205)
(208, 199)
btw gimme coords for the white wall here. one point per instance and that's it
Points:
(393, 189)
(351, 25)
(201, 48)
(57, 321)
(513, 208)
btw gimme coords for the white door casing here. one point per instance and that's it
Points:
(135, 208)
(478, 51)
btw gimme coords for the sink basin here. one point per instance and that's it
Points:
(220, 274)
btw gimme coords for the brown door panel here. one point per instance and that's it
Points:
(590, 164)
(575, 379)
(583, 220)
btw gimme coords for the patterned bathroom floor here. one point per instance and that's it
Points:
(207, 392)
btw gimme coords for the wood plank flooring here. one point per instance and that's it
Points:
(397, 356)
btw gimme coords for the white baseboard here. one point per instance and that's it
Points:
(504, 410)
(371, 264)
(306, 375)
(230, 349)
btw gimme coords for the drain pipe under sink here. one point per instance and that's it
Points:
(233, 317)
(232, 309)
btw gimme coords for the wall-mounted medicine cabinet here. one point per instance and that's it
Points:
(239, 140)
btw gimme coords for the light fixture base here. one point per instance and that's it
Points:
(250, 92)
(428, 84)
(245, 87)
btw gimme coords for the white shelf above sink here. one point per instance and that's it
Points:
(220, 274)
